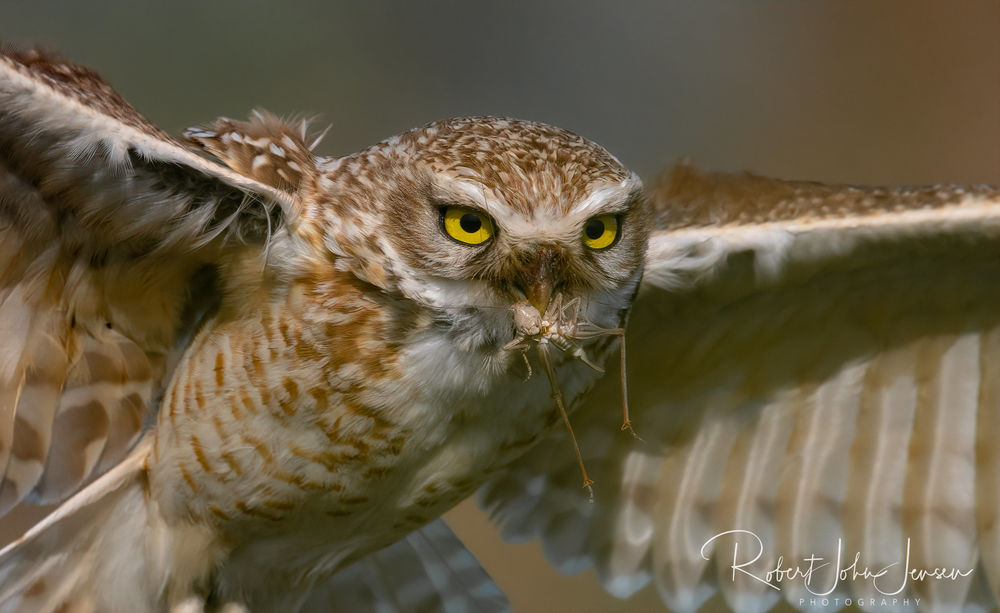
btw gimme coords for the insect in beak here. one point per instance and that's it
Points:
(559, 328)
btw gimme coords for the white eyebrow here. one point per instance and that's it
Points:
(473, 191)
(600, 197)
(475, 194)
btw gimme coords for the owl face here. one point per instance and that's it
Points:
(486, 212)
(466, 218)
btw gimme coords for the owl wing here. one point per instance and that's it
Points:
(113, 238)
(815, 367)
(110, 236)
(429, 570)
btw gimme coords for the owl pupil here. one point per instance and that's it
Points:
(594, 229)
(470, 223)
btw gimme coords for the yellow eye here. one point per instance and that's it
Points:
(466, 225)
(600, 232)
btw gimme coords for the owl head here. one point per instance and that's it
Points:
(471, 216)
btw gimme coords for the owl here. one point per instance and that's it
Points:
(253, 377)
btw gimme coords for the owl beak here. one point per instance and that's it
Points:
(537, 278)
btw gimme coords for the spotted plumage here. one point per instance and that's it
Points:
(257, 376)
(309, 413)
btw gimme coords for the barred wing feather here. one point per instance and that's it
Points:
(814, 371)
(109, 230)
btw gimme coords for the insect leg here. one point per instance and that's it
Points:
(517, 343)
(543, 354)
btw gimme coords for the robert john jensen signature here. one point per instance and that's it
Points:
(887, 583)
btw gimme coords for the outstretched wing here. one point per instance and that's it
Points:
(115, 241)
(111, 233)
(816, 367)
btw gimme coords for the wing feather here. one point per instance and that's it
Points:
(34, 413)
(812, 490)
(747, 498)
(689, 480)
(939, 492)
(811, 366)
(632, 531)
(873, 513)
(106, 224)
(429, 570)
(988, 460)
(99, 413)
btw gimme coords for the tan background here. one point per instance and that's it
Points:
(904, 91)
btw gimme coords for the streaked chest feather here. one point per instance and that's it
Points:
(296, 432)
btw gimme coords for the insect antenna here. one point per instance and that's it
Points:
(543, 354)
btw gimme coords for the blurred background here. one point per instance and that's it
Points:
(893, 92)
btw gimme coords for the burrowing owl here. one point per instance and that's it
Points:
(257, 375)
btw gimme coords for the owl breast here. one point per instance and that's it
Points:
(322, 427)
